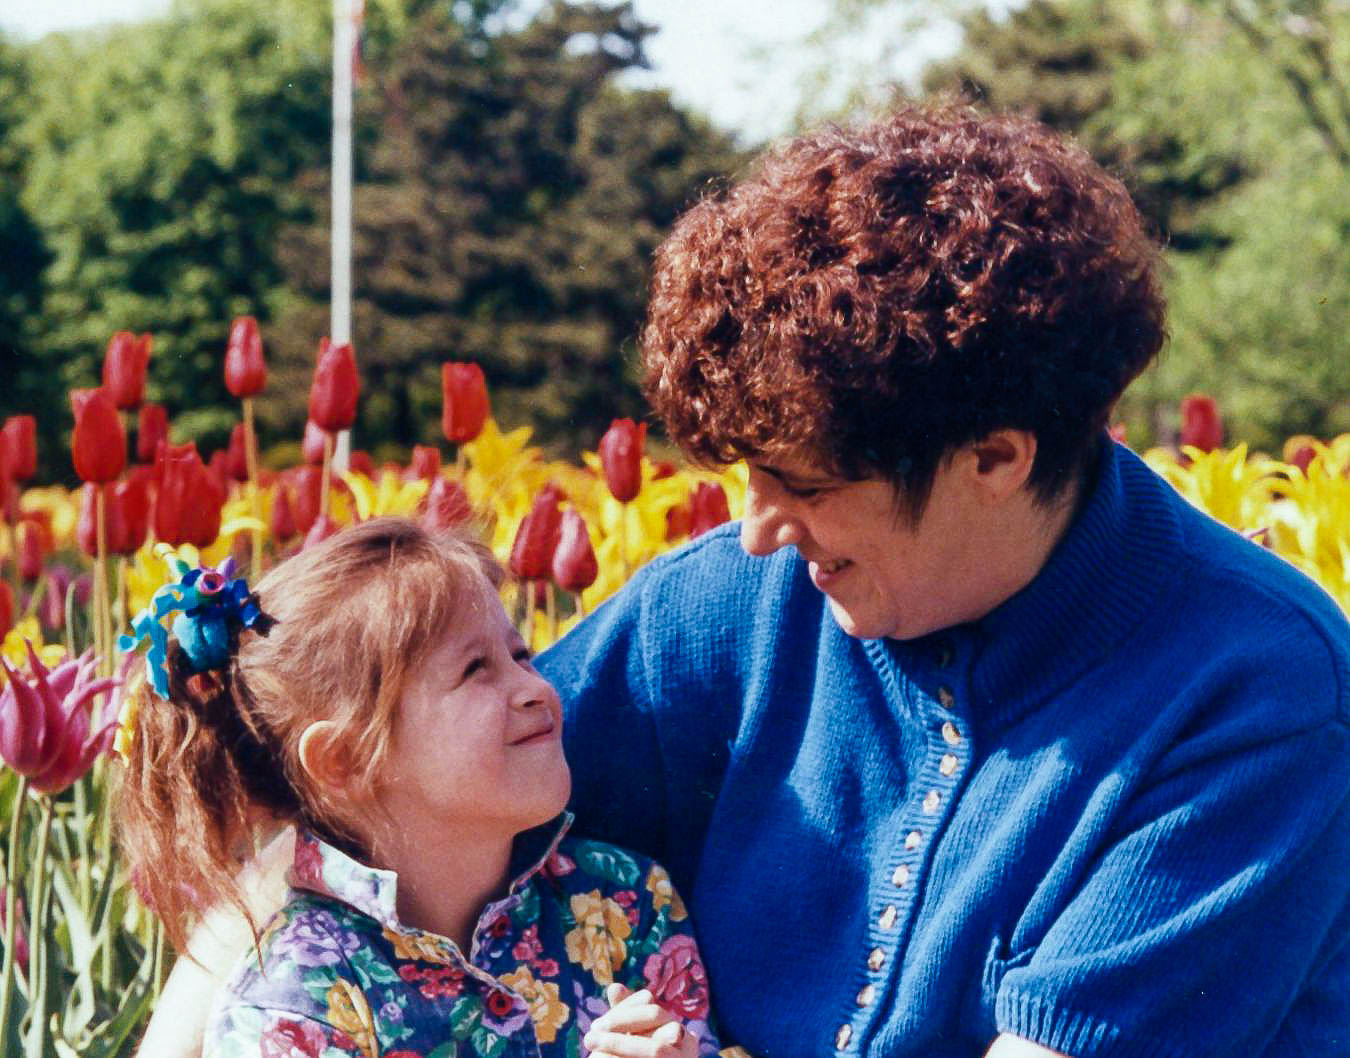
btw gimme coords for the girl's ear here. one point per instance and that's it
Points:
(326, 759)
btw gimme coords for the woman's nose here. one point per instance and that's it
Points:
(766, 525)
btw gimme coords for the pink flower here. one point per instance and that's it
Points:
(677, 979)
(292, 1039)
(46, 722)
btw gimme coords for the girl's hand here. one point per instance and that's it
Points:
(636, 1027)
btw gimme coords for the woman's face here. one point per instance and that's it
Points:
(882, 576)
(477, 742)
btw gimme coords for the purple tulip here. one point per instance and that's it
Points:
(47, 728)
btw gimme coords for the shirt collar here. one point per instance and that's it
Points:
(1103, 577)
(322, 868)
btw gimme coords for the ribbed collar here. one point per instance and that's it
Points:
(322, 868)
(1103, 577)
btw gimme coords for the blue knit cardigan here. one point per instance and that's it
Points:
(1112, 817)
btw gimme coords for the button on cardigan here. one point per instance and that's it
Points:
(1111, 817)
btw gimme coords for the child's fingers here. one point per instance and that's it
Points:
(638, 1013)
(616, 994)
(663, 1043)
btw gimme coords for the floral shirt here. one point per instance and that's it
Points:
(341, 976)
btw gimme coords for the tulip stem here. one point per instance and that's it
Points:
(251, 458)
(102, 607)
(11, 905)
(623, 541)
(326, 479)
(551, 609)
(37, 964)
(461, 463)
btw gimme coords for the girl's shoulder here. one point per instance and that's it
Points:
(309, 946)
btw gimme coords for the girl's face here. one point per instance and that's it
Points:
(477, 741)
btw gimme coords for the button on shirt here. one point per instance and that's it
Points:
(342, 976)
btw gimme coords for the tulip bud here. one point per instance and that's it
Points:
(245, 371)
(336, 387)
(28, 541)
(1201, 424)
(52, 608)
(678, 520)
(621, 458)
(445, 505)
(20, 433)
(360, 462)
(321, 530)
(124, 369)
(7, 488)
(425, 463)
(662, 469)
(537, 537)
(311, 445)
(283, 519)
(152, 427)
(6, 607)
(98, 446)
(710, 508)
(188, 500)
(464, 402)
(1300, 450)
(308, 481)
(86, 521)
(235, 462)
(574, 566)
(128, 505)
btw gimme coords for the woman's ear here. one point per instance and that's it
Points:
(1001, 463)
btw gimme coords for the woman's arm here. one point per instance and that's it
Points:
(178, 1025)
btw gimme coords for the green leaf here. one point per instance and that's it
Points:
(609, 863)
(465, 1016)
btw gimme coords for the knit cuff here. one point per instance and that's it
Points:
(1038, 1019)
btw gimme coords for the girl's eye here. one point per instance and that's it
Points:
(472, 668)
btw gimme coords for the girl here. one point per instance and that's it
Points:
(374, 693)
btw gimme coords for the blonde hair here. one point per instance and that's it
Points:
(351, 618)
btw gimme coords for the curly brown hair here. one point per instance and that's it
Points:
(873, 298)
(217, 763)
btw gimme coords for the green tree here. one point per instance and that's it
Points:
(509, 198)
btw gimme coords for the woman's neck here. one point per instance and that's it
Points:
(445, 879)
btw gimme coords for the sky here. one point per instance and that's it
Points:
(745, 68)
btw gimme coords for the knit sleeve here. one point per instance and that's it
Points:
(618, 790)
(1215, 921)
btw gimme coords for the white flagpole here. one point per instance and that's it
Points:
(345, 14)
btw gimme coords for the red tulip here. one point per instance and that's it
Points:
(98, 447)
(360, 462)
(308, 481)
(678, 520)
(710, 508)
(464, 402)
(30, 552)
(621, 458)
(283, 519)
(1201, 424)
(46, 721)
(445, 505)
(424, 464)
(235, 461)
(336, 387)
(537, 537)
(189, 498)
(662, 469)
(311, 445)
(124, 367)
(152, 426)
(321, 530)
(6, 481)
(128, 504)
(245, 371)
(20, 433)
(6, 607)
(574, 566)
(86, 521)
